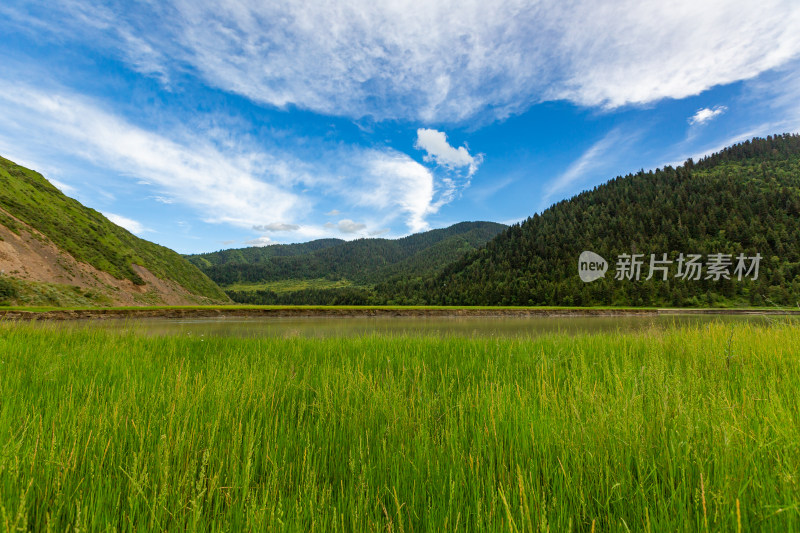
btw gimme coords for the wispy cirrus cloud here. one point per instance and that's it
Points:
(61, 186)
(227, 187)
(591, 163)
(428, 64)
(64, 20)
(129, 224)
(773, 106)
(680, 153)
(779, 93)
(276, 226)
(259, 189)
(440, 61)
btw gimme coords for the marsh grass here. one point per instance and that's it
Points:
(655, 431)
(290, 285)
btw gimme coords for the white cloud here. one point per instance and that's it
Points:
(706, 114)
(332, 213)
(260, 241)
(227, 186)
(448, 60)
(399, 181)
(484, 192)
(76, 19)
(384, 185)
(128, 223)
(142, 56)
(435, 143)
(587, 165)
(61, 186)
(237, 183)
(276, 226)
(349, 226)
(779, 94)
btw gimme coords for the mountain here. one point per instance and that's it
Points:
(55, 251)
(742, 200)
(259, 254)
(335, 271)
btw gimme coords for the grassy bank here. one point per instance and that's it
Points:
(693, 429)
(216, 311)
(289, 285)
(272, 311)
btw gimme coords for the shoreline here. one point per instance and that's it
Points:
(366, 312)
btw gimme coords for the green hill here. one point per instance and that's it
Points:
(40, 224)
(742, 200)
(334, 271)
(256, 254)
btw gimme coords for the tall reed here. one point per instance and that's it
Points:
(681, 429)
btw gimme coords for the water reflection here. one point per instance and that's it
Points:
(316, 327)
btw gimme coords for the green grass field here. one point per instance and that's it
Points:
(290, 285)
(669, 430)
(456, 308)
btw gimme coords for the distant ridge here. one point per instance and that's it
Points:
(336, 271)
(744, 199)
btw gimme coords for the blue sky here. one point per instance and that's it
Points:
(206, 125)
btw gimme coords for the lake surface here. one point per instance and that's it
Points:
(317, 327)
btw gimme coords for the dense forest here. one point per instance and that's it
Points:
(259, 254)
(742, 200)
(361, 263)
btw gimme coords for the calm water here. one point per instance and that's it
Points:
(396, 326)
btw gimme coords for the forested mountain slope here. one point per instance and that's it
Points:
(742, 200)
(360, 263)
(259, 254)
(54, 250)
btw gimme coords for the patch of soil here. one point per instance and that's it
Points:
(32, 256)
